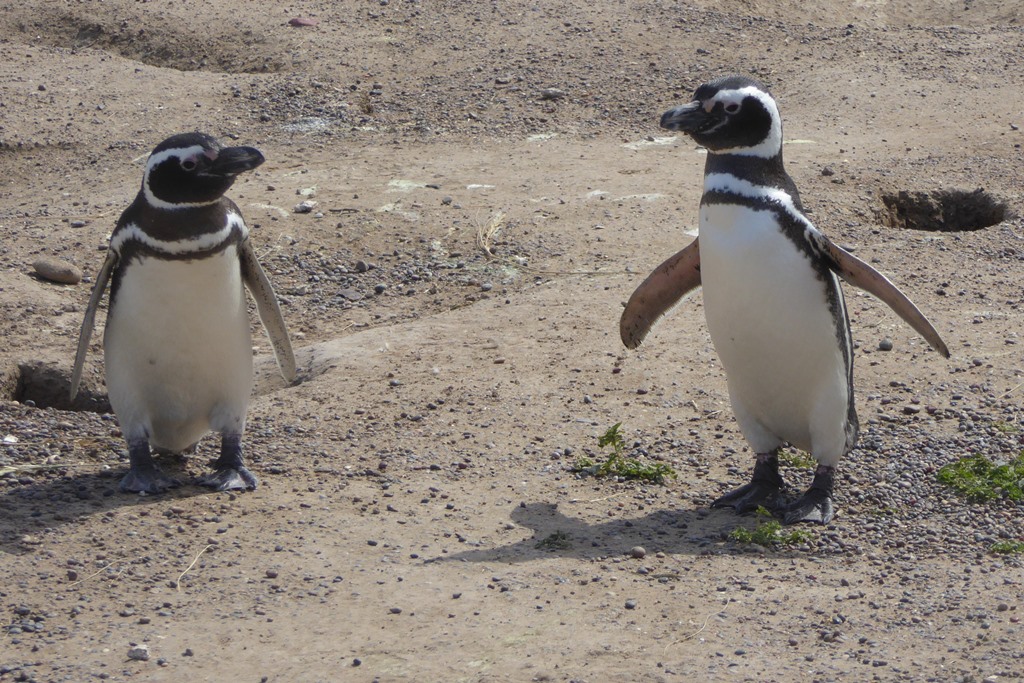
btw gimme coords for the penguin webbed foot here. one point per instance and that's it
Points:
(229, 478)
(816, 504)
(230, 473)
(764, 489)
(750, 497)
(143, 474)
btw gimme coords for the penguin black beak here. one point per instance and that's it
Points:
(688, 118)
(231, 161)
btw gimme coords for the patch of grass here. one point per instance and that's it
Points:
(979, 479)
(796, 458)
(1005, 427)
(618, 465)
(1008, 547)
(768, 532)
(556, 541)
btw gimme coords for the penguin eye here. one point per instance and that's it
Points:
(732, 107)
(188, 164)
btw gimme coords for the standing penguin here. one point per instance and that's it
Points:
(772, 299)
(177, 344)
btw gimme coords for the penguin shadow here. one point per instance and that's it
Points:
(679, 532)
(38, 505)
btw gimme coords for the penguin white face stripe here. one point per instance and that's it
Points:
(183, 154)
(133, 232)
(772, 143)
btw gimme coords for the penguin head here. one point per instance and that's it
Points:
(730, 115)
(193, 169)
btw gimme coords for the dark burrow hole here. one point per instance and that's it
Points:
(942, 210)
(47, 385)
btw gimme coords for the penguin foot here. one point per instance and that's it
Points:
(814, 506)
(229, 473)
(143, 474)
(817, 504)
(236, 478)
(764, 490)
(751, 496)
(141, 479)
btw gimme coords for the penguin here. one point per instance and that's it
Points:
(177, 343)
(772, 299)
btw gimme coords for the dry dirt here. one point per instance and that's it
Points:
(454, 299)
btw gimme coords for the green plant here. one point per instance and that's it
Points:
(556, 541)
(1008, 547)
(768, 531)
(977, 478)
(797, 458)
(618, 465)
(1005, 427)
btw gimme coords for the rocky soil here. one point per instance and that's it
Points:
(486, 184)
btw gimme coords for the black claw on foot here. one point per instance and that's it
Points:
(817, 504)
(229, 479)
(764, 490)
(230, 474)
(143, 474)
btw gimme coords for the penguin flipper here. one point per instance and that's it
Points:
(270, 311)
(89, 321)
(664, 288)
(860, 274)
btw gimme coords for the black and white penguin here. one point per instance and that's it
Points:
(772, 298)
(177, 342)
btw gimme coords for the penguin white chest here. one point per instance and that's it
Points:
(779, 337)
(178, 348)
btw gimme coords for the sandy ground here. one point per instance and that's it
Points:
(454, 300)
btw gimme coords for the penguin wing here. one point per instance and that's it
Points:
(656, 295)
(270, 312)
(860, 274)
(89, 321)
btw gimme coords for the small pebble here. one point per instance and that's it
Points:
(59, 271)
(271, 573)
(885, 345)
(630, 604)
(306, 206)
(638, 552)
(139, 653)
(303, 21)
